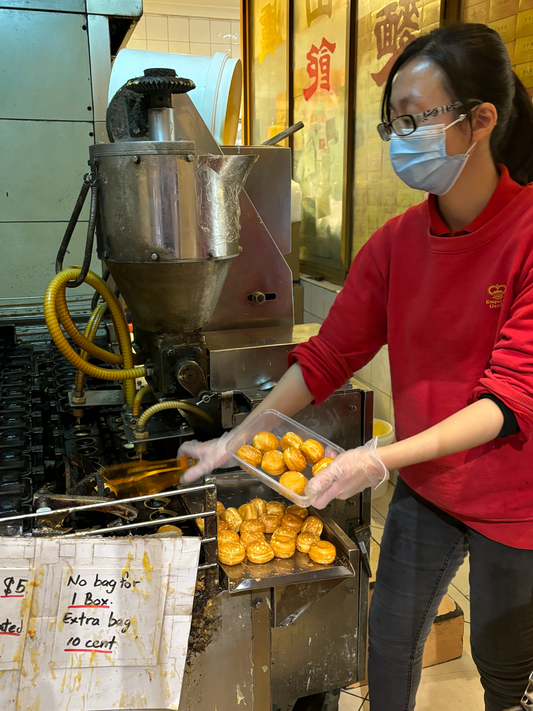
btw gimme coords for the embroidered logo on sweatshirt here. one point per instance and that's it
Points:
(496, 293)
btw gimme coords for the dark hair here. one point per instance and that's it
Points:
(475, 62)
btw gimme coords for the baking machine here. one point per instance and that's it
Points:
(198, 262)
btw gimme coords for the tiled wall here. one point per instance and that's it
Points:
(318, 299)
(187, 35)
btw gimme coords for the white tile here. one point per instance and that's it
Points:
(200, 49)
(179, 47)
(136, 43)
(442, 692)
(382, 405)
(461, 580)
(216, 47)
(329, 298)
(157, 45)
(178, 29)
(236, 51)
(365, 373)
(461, 600)
(221, 31)
(381, 505)
(308, 295)
(381, 372)
(156, 27)
(140, 29)
(235, 32)
(354, 699)
(317, 303)
(200, 30)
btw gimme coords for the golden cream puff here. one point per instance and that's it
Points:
(276, 508)
(283, 546)
(305, 541)
(273, 462)
(285, 532)
(322, 464)
(220, 508)
(249, 537)
(252, 525)
(298, 511)
(265, 441)
(270, 522)
(291, 521)
(295, 481)
(231, 552)
(222, 525)
(312, 450)
(232, 517)
(313, 525)
(294, 460)
(260, 552)
(322, 552)
(260, 506)
(250, 455)
(291, 439)
(228, 536)
(247, 512)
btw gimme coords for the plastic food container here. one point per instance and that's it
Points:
(278, 424)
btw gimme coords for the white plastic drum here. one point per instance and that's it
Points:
(218, 80)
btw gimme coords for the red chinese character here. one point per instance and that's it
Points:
(392, 32)
(319, 67)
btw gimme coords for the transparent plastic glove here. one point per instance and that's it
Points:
(210, 455)
(350, 473)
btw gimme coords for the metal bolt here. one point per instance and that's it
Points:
(258, 297)
(351, 591)
(353, 408)
(172, 389)
(184, 426)
(258, 604)
(155, 256)
(189, 158)
(171, 352)
(136, 159)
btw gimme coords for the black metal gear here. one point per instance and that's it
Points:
(164, 81)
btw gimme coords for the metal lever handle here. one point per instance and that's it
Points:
(284, 134)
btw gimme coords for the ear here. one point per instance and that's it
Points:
(484, 118)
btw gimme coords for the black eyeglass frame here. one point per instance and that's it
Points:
(386, 128)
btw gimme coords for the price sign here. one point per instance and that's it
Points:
(109, 615)
(15, 599)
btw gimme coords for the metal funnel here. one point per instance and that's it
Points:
(168, 228)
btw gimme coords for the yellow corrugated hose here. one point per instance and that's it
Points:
(171, 404)
(138, 400)
(90, 334)
(129, 373)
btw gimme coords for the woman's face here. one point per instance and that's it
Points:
(418, 87)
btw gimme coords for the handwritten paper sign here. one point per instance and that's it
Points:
(109, 612)
(15, 596)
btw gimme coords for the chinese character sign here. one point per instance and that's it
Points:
(393, 31)
(319, 67)
(384, 28)
(270, 37)
(317, 8)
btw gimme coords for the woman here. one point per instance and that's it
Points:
(449, 286)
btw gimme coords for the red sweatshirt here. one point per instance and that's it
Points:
(457, 314)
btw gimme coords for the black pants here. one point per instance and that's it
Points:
(421, 550)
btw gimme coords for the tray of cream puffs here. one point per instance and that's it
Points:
(263, 543)
(283, 454)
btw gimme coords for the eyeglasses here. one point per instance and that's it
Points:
(408, 123)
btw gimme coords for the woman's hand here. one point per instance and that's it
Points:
(350, 473)
(210, 455)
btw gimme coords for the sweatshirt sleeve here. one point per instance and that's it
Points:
(509, 375)
(355, 328)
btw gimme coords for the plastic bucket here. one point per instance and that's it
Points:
(384, 431)
(218, 80)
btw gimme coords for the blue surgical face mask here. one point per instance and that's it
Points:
(421, 161)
